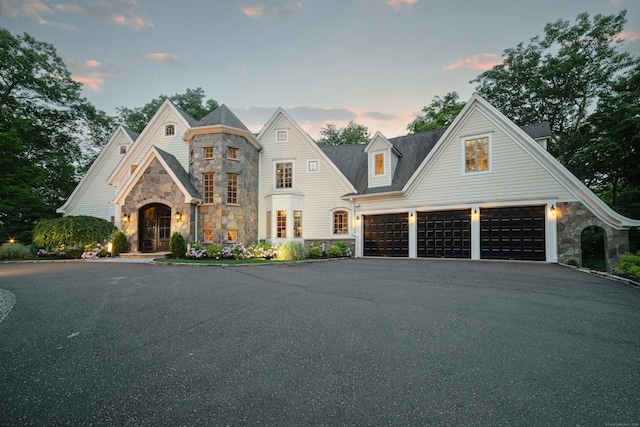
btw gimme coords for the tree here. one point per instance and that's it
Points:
(439, 114)
(559, 77)
(45, 128)
(192, 102)
(353, 133)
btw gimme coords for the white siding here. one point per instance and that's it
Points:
(318, 192)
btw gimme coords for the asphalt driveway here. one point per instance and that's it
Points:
(354, 342)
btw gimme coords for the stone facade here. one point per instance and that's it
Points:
(155, 186)
(217, 215)
(572, 219)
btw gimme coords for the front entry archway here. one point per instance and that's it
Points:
(154, 227)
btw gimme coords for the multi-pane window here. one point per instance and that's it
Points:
(476, 154)
(207, 189)
(208, 235)
(281, 135)
(297, 223)
(232, 188)
(268, 224)
(123, 149)
(379, 158)
(208, 152)
(169, 130)
(340, 222)
(284, 175)
(312, 166)
(281, 224)
(232, 235)
(232, 153)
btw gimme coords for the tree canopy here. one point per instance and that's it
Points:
(439, 114)
(47, 133)
(192, 102)
(353, 133)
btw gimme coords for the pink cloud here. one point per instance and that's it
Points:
(483, 61)
(92, 82)
(269, 8)
(398, 3)
(92, 63)
(166, 58)
(629, 35)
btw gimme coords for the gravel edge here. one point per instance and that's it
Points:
(7, 301)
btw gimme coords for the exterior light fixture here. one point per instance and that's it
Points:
(552, 210)
(475, 215)
(357, 219)
(12, 240)
(126, 217)
(178, 216)
(411, 217)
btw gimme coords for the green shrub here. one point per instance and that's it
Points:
(263, 250)
(214, 251)
(291, 251)
(339, 249)
(9, 251)
(177, 245)
(76, 231)
(573, 262)
(630, 264)
(119, 244)
(315, 250)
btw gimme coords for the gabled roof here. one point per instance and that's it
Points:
(174, 170)
(97, 166)
(221, 120)
(186, 116)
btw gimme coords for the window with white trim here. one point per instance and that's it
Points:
(297, 223)
(340, 222)
(169, 130)
(476, 154)
(123, 149)
(281, 135)
(284, 175)
(281, 224)
(379, 164)
(312, 166)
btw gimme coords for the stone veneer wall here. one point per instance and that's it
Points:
(156, 186)
(220, 216)
(572, 219)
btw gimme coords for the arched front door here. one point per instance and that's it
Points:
(154, 228)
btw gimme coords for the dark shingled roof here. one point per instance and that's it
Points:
(221, 116)
(184, 114)
(179, 172)
(132, 133)
(351, 160)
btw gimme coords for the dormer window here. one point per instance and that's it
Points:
(379, 159)
(169, 130)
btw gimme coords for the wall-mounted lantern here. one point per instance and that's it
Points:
(126, 217)
(412, 217)
(552, 210)
(475, 215)
(178, 216)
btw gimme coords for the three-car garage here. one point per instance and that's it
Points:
(511, 232)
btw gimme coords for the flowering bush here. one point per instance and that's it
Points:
(263, 250)
(315, 250)
(62, 252)
(339, 249)
(197, 251)
(93, 251)
(214, 251)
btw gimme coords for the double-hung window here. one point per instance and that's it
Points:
(476, 154)
(207, 190)
(284, 175)
(340, 222)
(232, 188)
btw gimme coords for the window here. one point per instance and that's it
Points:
(208, 152)
(297, 223)
(379, 164)
(340, 222)
(312, 166)
(232, 188)
(133, 168)
(476, 154)
(169, 130)
(208, 235)
(281, 224)
(208, 187)
(281, 136)
(123, 149)
(284, 175)
(232, 235)
(232, 153)
(268, 224)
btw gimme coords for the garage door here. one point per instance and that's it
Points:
(513, 233)
(386, 235)
(444, 234)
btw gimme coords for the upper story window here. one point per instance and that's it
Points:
(232, 188)
(208, 152)
(232, 153)
(281, 136)
(169, 130)
(123, 149)
(379, 159)
(476, 154)
(340, 222)
(312, 166)
(207, 190)
(284, 175)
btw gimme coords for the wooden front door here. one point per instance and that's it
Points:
(154, 228)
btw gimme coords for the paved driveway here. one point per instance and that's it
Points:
(356, 342)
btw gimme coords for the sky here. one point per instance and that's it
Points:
(374, 62)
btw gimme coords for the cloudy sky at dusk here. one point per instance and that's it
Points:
(377, 62)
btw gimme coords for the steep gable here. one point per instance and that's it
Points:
(92, 196)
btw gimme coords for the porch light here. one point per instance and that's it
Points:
(552, 210)
(126, 217)
(178, 216)
(475, 214)
(357, 219)
(411, 217)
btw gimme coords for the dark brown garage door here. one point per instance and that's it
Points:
(444, 234)
(513, 233)
(386, 235)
